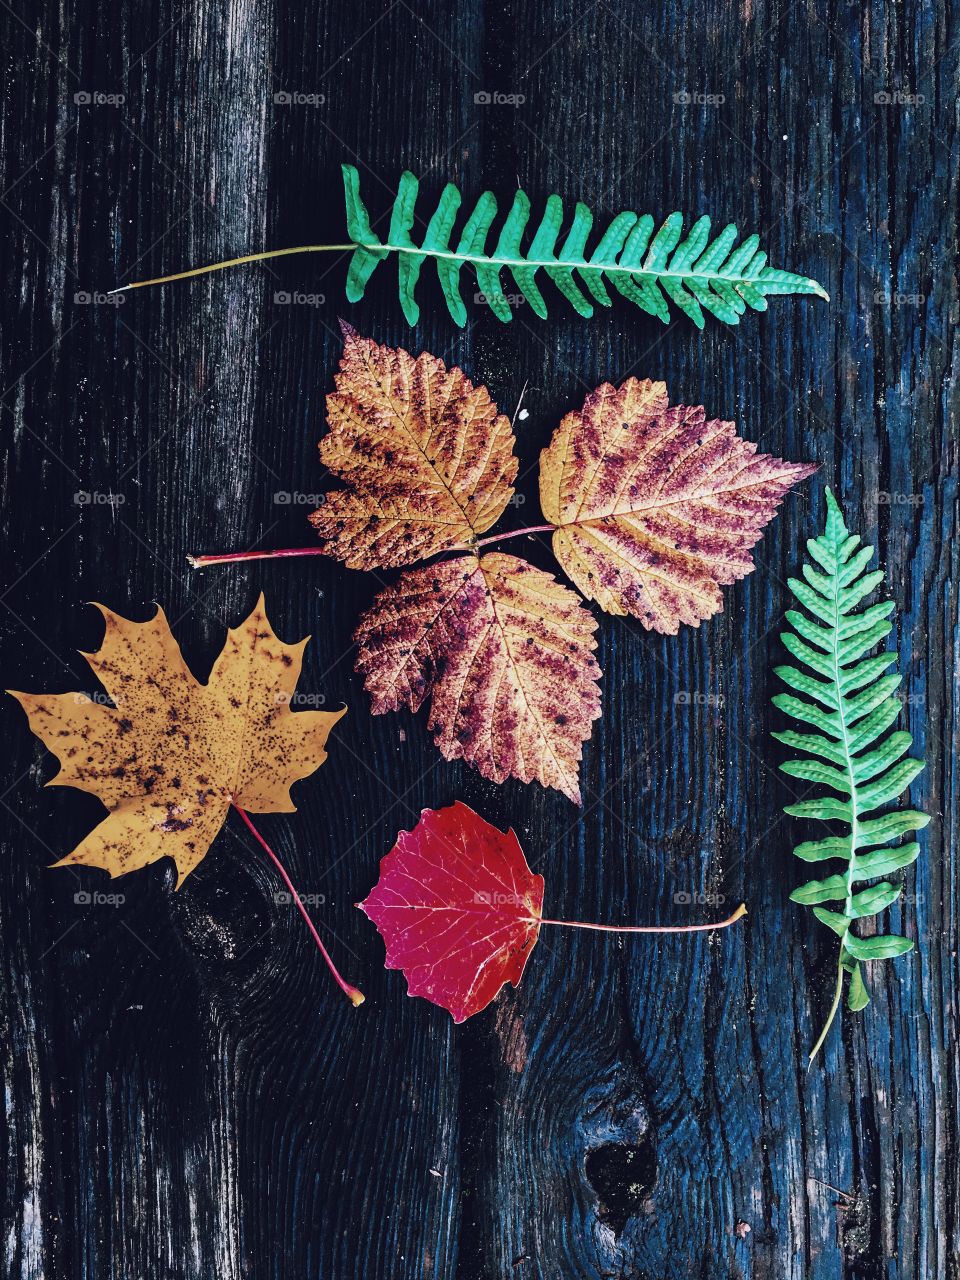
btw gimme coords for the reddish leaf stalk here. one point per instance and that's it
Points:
(237, 557)
(514, 533)
(234, 557)
(740, 912)
(355, 996)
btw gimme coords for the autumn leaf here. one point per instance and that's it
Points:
(504, 652)
(655, 507)
(652, 509)
(460, 910)
(458, 907)
(170, 756)
(426, 459)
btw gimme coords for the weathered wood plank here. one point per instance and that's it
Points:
(187, 1095)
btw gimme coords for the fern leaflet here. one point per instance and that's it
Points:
(848, 699)
(698, 274)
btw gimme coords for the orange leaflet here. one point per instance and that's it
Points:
(655, 507)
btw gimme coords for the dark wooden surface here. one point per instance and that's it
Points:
(187, 1095)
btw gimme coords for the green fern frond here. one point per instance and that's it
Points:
(848, 701)
(696, 273)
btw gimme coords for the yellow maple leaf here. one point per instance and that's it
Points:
(170, 755)
(506, 655)
(655, 507)
(426, 459)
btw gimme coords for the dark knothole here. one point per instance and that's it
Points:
(623, 1178)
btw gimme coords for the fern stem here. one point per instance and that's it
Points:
(613, 268)
(236, 262)
(852, 860)
(838, 992)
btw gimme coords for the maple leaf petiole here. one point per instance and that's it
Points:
(355, 996)
(740, 912)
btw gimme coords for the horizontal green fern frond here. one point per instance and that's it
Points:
(649, 267)
(847, 696)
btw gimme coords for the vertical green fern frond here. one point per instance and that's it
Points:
(694, 272)
(848, 701)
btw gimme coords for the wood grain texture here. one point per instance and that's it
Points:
(188, 1095)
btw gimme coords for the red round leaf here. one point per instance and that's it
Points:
(458, 908)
